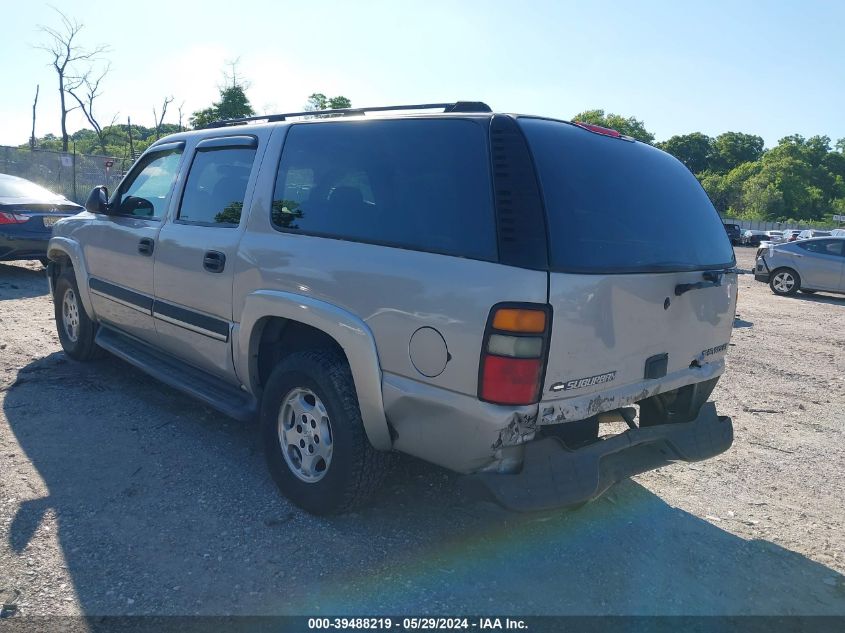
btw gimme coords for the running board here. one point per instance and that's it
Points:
(178, 374)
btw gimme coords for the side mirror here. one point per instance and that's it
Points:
(98, 200)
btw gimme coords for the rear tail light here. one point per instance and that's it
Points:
(13, 218)
(513, 355)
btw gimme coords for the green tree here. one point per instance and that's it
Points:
(731, 149)
(233, 104)
(694, 150)
(628, 126)
(319, 101)
(725, 190)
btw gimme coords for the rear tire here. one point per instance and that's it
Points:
(785, 282)
(313, 435)
(75, 328)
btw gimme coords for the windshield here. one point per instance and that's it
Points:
(11, 187)
(619, 206)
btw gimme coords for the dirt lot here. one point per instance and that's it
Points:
(119, 495)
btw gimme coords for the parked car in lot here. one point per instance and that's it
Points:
(837, 233)
(790, 235)
(753, 237)
(27, 215)
(734, 233)
(368, 284)
(806, 234)
(806, 265)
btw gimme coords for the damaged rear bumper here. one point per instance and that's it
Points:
(553, 476)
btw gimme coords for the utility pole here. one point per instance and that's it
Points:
(131, 145)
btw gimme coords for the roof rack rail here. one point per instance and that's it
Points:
(457, 106)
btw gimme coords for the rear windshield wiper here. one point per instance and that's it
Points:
(712, 279)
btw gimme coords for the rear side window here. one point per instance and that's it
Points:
(216, 186)
(615, 206)
(824, 247)
(417, 184)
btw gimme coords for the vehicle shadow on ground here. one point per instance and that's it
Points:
(818, 297)
(163, 506)
(20, 282)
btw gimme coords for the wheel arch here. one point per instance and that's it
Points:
(66, 253)
(276, 317)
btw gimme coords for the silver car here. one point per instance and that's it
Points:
(474, 289)
(806, 266)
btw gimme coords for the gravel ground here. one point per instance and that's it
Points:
(121, 496)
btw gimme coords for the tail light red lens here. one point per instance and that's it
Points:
(13, 218)
(513, 356)
(510, 380)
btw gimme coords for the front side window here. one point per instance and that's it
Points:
(149, 187)
(216, 186)
(417, 184)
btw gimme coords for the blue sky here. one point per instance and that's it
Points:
(769, 68)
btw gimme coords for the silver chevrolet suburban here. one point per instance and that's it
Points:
(483, 291)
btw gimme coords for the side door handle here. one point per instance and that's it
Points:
(214, 261)
(146, 245)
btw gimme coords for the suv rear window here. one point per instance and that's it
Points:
(420, 184)
(616, 206)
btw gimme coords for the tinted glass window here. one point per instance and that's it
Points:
(418, 184)
(825, 247)
(148, 190)
(216, 186)
(619, 206)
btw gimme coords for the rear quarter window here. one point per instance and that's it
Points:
(420, 184)
(616, 206)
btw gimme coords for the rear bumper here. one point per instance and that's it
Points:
(23, 246)
(553, 476)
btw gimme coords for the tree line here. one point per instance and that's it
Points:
(800, 179)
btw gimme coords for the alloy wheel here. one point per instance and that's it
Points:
(70, 315)
(305, 435)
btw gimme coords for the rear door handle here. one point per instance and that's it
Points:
(214, 261)
(146, 245)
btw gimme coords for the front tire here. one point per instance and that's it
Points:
(314, 439)
(785, 282)
(76, 329)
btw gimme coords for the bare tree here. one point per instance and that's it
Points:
(159, 120)
(89, 86)
(179, 110)
(236, 79)
(65, 52)
(34, 103)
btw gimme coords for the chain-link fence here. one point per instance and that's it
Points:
(767, 225)
(69, 174)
